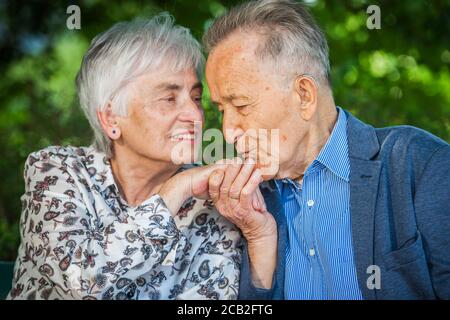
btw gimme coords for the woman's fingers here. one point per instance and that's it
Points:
(198, 179)
(215, 181)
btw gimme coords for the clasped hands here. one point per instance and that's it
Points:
(233, 186)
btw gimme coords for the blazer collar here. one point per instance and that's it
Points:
(362, 140)
(365, 169)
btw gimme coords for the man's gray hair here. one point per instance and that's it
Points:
(291, 37)
(122, 53)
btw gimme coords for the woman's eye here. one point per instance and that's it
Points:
(169, 99)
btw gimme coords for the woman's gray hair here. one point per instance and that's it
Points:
(291, 37)
(122, 53)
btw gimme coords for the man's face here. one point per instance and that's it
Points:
(251, 97)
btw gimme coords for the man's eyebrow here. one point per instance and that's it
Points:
(232, 97)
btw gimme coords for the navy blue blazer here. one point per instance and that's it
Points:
(400, 215)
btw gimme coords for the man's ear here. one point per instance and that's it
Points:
(109, 123)
(306, 89)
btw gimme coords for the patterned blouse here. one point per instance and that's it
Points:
(81, 240)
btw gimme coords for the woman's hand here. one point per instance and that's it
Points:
(189, 183)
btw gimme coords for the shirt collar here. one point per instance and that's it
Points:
(334, 155)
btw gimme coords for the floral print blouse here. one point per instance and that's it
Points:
(81, 240)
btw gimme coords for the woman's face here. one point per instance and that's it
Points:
(164, 117)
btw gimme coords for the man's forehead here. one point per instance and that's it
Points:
(237, 48)
(235, 68)
(232, 66)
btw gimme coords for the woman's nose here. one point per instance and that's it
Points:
(192, 112)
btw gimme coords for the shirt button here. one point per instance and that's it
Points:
(312, 252)
(310, 203)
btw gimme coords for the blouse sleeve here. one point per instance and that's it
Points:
(215, 267)
(75, 251)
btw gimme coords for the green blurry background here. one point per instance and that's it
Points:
(396, 75)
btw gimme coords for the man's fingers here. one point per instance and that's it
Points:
(250, 187)
(256, 202)
(241, 180)
(261, 200)
(230, 174)
(214, 181)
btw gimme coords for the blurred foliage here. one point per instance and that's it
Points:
(396, 75)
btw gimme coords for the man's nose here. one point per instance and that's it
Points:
(231, 129)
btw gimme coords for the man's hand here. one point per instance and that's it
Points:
(236, 195)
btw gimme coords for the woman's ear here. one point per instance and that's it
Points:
(306, 92)
(109, 123)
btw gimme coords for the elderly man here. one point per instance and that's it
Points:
(353, 212)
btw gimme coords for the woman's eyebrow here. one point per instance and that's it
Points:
(197, 85)
(176, 87)
(168, 86)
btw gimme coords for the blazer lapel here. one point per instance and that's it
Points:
(364, 178)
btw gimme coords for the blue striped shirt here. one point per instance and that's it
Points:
(319, 255)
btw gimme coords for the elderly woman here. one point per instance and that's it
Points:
(118, 220)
